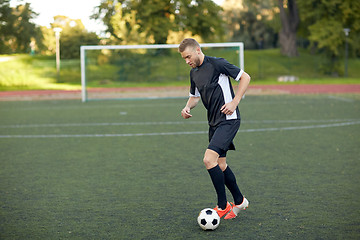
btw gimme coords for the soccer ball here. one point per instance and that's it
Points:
(208, 219)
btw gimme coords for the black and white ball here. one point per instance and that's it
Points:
(208, 219)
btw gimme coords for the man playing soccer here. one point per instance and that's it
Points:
(209, 79)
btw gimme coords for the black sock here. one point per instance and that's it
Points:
(230, 182)
(217, 178)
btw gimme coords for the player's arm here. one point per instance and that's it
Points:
(230, 107)
(242, 87)
(191, 103)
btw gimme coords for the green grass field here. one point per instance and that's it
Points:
(133, 169)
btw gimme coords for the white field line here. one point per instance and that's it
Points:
(341, 99)
(121, 104)
(179, 133)
(50, 125)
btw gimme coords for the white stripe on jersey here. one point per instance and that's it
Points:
(239, 75)
(225, 86)
(197, 93)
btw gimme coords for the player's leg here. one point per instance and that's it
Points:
(220, 141)
(241, 203)
(222, 163)
(230, 181)
(223, 140)
(217, 176)
(210, 159)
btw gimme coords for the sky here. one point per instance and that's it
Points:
(74, 9)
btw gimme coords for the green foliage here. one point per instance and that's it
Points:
(6, 26)
(71, 41)
(104, 12)
(16, 28)
(24, 28)
(201, 17)
(254, 33)
(325, 21)
(157, 18)
(48, 43)
(328, 33)
(125, 27)
(321, 23)
(73, 35)
(254, 22)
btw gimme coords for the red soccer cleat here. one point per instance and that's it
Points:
(237, 208)
(221, 212)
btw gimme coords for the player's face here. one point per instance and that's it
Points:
(191, 57)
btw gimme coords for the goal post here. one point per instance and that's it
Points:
(120, 60)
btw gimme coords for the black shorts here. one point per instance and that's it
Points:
(221, 137)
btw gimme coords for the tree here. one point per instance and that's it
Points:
(249, 23)
(47, 45)
(125, 27)
(273, 21)
(7, 20)
(323, 24)
(73, 35)
(289, 16)
(24, 28)
(16, 28)
(157, 18)
(201, 17)
(105, 11)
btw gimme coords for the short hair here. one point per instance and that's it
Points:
(188, 42)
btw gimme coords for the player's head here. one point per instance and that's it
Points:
(191, 52)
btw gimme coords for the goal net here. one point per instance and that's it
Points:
(143, 71)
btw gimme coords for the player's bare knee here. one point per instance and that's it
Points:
(222, 166)
(210, 159)
(222, 163)
(209, 162)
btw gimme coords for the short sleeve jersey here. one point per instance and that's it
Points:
(211, 82)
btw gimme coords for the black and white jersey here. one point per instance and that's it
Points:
(211, 82)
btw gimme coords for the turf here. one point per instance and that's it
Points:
(297, 161)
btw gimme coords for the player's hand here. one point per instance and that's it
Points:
(228, 108)
(185, 113)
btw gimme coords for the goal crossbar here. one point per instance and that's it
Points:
(240, 45)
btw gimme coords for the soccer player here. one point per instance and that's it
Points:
(209, 80)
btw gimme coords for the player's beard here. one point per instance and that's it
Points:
(196, 62)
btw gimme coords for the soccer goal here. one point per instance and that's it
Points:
(143, 71)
